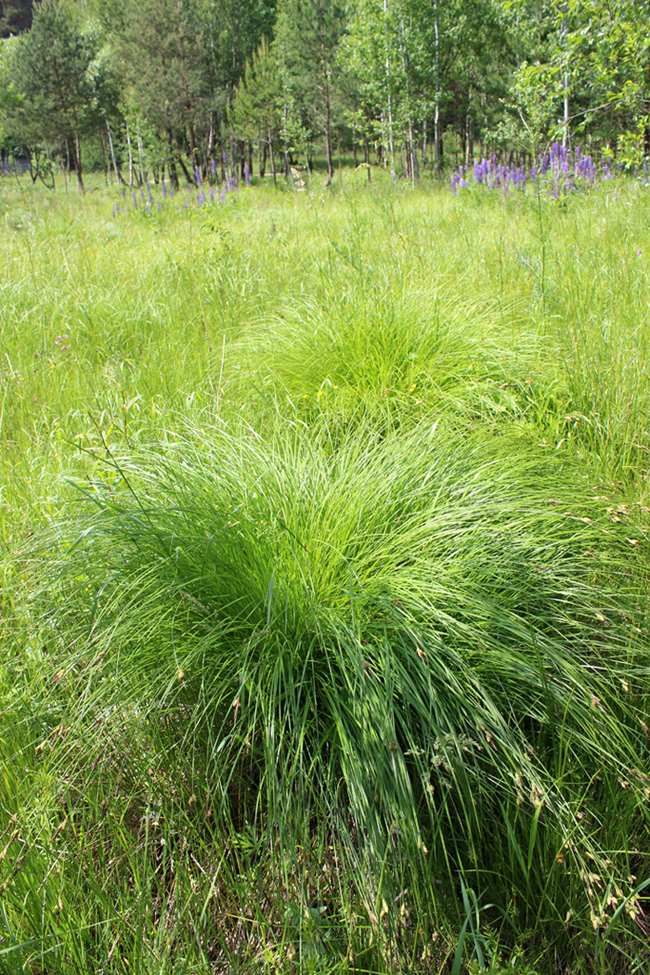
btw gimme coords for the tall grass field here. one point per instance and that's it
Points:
(324, 608)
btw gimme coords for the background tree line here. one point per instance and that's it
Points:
(195, 89)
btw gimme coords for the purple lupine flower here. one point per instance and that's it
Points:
(124, 192)
(197, 171)
(247, 174)
(224, 156)
(211, 194)
(142, 194)
(164, 190)
(222, 195)
(231, 184)
(453, 185)
(214, 167)
(135, 200)
(533, 173)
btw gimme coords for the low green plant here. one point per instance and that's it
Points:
(398, 649)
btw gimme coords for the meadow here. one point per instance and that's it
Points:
(324, 609)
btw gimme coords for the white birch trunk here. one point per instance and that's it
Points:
(391, 144)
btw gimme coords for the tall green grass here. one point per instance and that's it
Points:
(324, 616)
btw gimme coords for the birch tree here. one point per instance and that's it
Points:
(55, 98)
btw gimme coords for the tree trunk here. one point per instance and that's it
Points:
(326, 93)
(469, 130)
(173, 175)
(262, 158)
(110, 143)
(391, 146)
(271, 156)
(190, 179)
(128, 146)
(76, 158)
(143, 172)
(412, 166)
(564, 36)
(105, 164)
(285, 141)
(436, 111)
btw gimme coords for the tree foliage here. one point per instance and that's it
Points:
(181, 82)
(55, 95)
